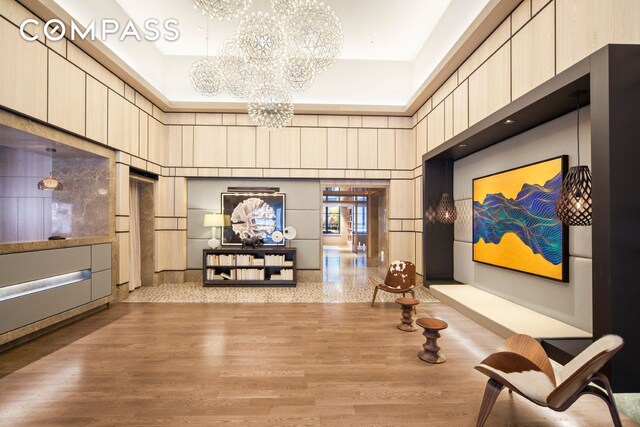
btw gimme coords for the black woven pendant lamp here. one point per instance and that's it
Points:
(574, 205)
(446, 211)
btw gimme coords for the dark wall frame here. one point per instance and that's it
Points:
(612, 77)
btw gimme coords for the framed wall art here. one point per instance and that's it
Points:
(514, 220)
(251, 215)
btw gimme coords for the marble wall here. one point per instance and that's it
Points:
(82, 208)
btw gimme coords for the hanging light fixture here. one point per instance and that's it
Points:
(272, 107)
(269, 54)
(314, 33)
(50, 183)
(205, 74)
(222, 9)
(261, 39)
(574, 204)
(239, 77)
(446, 211)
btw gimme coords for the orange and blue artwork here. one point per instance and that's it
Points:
(514, 220)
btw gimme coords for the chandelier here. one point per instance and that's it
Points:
(271, 107)
(222, 9)
(272, 54)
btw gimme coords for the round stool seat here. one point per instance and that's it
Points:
(407, 301)
(431, 323)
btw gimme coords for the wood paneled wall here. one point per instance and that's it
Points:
(60, 84)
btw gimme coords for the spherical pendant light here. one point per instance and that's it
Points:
(574, 205)
(446, 211)
(240, 77)
(205, 77)
(298, 73)
(284, 8)
(261, 39)
(222, 9)
(272, 107)
(315, 33)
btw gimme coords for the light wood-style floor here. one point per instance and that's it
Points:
(260, 364)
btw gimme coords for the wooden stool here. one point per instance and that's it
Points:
(431, 352)
(408, 304)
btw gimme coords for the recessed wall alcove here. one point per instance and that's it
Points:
(612, 78)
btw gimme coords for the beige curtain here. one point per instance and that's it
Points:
(134, 236)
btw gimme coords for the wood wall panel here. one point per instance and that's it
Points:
(180, 197)
(537, 5)
(386, 149)
(448, 117)
(336, 148)
(132, 125)
(461, 108)
(313, 148)
(402, 246)
(115, 123)
(421, 140)
(284, 148)
(171, 250)
(187, 146)
(23, 71)
(262, 148)
(241, 147)
(367, 148)
(93, 68)
(499, 36)
(527, 70)
(333, 121)
(173, 154)
(401, 198)
(352, 148)
(122, 189)
(96, 107)
(210, 146)
(405, 148)
(165, 196)
(584, 26)
(143, 146)
(489, 86)
(156, 141)
(435, 127)
(66, 96)
(520, 16)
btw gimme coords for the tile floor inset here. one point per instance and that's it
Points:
(344, 279)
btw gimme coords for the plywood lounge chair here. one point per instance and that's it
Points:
(400, 279)
(521, 365)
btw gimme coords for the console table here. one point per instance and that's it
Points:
(264, 266)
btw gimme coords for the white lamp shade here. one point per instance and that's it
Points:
(213, 220)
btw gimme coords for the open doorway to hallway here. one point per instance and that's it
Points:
(354, 231)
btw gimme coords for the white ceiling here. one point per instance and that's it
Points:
(390, 46)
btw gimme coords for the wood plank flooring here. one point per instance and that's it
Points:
(260, 364)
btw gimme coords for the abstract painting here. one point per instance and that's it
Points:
(514, 220)
(252, 215)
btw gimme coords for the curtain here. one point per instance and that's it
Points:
(134, 236)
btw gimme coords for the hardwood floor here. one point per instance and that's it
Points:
(260, 364)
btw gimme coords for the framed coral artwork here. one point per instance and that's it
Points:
(514, 220)
(251, 215)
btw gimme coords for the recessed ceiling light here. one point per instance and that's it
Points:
(509, 122)
(462, 145)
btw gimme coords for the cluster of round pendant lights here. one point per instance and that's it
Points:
(270, 55)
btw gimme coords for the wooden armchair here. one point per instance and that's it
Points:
(521, 365)
(400, 279)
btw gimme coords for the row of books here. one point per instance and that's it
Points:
(285, 274)
(221, 259)
(277, 260)
(248, 260)
(252, 274)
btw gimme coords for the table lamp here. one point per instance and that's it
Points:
(214, 221)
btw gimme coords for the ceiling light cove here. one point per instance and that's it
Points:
(385, 53)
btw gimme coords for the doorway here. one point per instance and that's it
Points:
(354, 231)
(141, 232)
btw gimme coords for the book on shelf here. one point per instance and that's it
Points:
(285, 274)
(274, 260)
(211, 275)
(250, 274)
(221, 259)
(229, 276)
